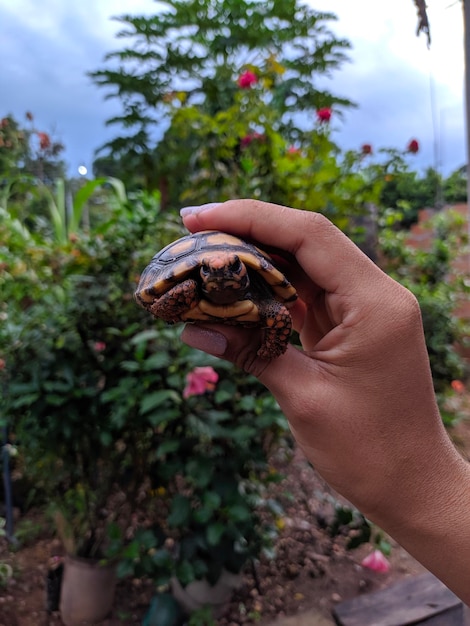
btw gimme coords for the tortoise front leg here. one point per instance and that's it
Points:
(276, 330)
(174, 302)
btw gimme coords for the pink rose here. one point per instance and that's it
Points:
(377, 562)
(247, 79)
(324, 115)
(200, 380)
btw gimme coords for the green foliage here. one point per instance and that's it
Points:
(431, 276)
(65, 219)
(409, 192)
(241, 152)
(96, 403)
(24, 150)
(455, 186)
(191, 53)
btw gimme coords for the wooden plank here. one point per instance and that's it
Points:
(417, 600)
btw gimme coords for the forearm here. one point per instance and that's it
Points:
(432, 521)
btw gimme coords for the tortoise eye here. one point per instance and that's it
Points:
(205, 270)
(236, 265)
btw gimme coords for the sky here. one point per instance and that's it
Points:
(403, 89)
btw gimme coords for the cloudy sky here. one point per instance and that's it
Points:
(403, 89)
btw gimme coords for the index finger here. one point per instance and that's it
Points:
(327, 256)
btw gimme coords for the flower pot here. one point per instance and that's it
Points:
(200, 592)
(87, 591)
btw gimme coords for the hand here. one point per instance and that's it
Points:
(358, 395)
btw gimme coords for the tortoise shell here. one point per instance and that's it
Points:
(213, 276)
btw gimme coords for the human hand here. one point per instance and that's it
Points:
(358, 396)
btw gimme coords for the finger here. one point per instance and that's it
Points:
(328, 257)
(239, 346)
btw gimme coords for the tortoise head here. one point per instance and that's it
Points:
(224, 277)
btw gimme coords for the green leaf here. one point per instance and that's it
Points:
(211, 500)
(199, 471)
(171, 445)
(214, 533)
(185, 572)
(106, 438)
(159, 360)
(239, 513)
(144, 336)
(157, 399)
(125, 569)
(162, 558)
(180, 511)
(163, 416)
(130, 366)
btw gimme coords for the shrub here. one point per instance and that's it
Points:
(95, 397)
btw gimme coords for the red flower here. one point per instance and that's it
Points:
(293, 150)
(247, 139)
(200, 380)
(99, 346)
(44, 141)
(324, 115)
(366, 148)
(413, 146)
(376, 562)
(247, 79)
(457, 386)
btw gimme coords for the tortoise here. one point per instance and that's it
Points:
(212, 276)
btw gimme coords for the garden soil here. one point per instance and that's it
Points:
(312, 570)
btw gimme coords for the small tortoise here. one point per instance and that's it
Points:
(215, 277)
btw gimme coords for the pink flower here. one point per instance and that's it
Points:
(377, 562)
(292, 150)
(366, 148)
(200, 380)
(413, 146)
(324, 115)
(99, 346)
(247, 79)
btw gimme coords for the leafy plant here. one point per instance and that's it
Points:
(431, 275)
(105, 428)
(64, 221)
(193, 54)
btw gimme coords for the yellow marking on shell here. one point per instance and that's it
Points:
(222, 239)
(181, 246)
(276, 279)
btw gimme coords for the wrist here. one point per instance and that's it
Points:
(431, 518)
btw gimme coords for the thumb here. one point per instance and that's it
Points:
(239, 346)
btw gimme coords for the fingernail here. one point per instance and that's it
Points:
(204, 339)
(193, 210)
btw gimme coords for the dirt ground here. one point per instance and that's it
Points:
(312, 570)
